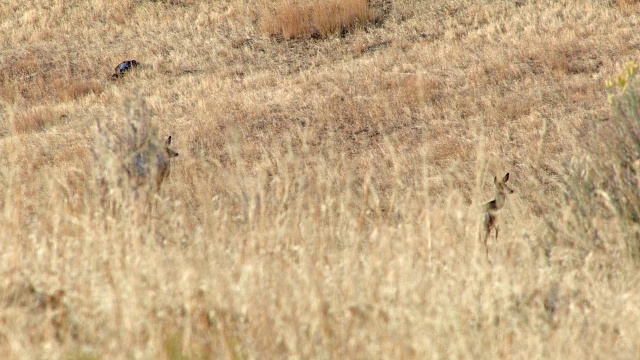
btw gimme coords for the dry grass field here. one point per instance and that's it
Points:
(326, 203)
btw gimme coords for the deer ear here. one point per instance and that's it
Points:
(168, 141)
(495, 180)
(505, 178)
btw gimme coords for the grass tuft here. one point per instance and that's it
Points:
(35, 119)
(69, 91)
(317, 19)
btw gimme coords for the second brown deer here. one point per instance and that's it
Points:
(492, 208)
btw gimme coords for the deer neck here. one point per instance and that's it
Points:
(500, 198)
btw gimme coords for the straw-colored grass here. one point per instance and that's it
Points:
(326, 202)
(319, 19)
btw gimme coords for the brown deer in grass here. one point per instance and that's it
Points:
(162, 166)
(492, 208)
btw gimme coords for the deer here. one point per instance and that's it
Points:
(164, 164)
(493, 207)
(160, 169)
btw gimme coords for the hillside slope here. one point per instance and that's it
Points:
(326, 200)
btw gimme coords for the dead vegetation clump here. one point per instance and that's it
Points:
(627, 4)
(35, 119)
(37, 75)
(68, 90)
(321, 19)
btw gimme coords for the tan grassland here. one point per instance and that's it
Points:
(327, 200)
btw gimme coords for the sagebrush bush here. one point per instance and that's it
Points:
(621, 140)
(603, 187)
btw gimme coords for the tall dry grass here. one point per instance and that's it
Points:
(320, 19)
(326, 201)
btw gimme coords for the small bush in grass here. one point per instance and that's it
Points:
(318, 19)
